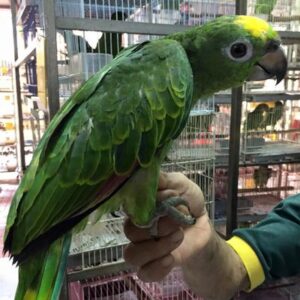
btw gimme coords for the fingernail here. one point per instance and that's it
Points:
(177, 236)
(167, 261)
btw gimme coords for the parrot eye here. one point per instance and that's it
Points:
(239, 51)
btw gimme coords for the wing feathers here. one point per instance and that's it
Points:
(104, 169)
(74, 162)
(125, 154)
(121, 129)
(92, 159)
(148, 146)
(118, 120)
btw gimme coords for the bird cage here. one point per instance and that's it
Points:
(127, 286)
(96, 268)
(282, 14)
(193, 153)
(190, 12)
(98, 249)
(270, 131)
(260, 188)
(120, 286)
(83, 53)
(221, 130)
(171, 288)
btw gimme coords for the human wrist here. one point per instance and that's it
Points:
(213, 264)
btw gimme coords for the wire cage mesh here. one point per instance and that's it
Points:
(83, 53)
(171, 288)
(120, 286)
(98, 246)
(127, 286)
(197, 139)
(101, 245)
(202, 173)
(260, 188)
(193, 151)
(282, 14)
(190, 12)
(106, 233)
(270, 130)
(221, 129)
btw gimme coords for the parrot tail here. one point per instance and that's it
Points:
(41, 276)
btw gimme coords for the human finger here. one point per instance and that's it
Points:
(172, 181)
(156, 270)
(147, 251)
(135, 234)
(165, 194)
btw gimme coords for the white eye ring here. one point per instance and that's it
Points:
(239, 51)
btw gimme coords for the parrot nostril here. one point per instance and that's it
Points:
(272, 46)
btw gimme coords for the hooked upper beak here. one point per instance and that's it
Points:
(273, 64)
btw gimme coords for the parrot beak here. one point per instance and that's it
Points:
(273, 64)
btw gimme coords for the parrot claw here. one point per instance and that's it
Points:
(168, 208)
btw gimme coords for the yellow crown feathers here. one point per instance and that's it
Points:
(257, 27)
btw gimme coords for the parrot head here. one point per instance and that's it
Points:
(229, 50)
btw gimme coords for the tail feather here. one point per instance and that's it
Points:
(28, 276)
(41, 276)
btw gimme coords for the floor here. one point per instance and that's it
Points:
(6, 193)
(8, 273)
(8, 279)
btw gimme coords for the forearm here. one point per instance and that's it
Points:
(215, 271)
(276, 239)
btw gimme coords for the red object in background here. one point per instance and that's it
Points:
(203, 139)
(295, 125)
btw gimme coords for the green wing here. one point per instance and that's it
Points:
(116, 122)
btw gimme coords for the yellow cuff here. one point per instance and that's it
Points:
(250, 260)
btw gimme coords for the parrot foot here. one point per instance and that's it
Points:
(168, 208)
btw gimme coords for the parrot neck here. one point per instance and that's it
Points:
(194, 45)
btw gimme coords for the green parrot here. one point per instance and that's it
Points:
(257, 118)
(261, 176)
(103, 149)
(275, 114)
(264, 6)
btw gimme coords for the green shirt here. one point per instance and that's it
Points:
(276, 239)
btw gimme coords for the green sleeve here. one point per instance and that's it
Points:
(276, 239)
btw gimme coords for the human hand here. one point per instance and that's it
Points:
(155, 258)
(206, 259)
